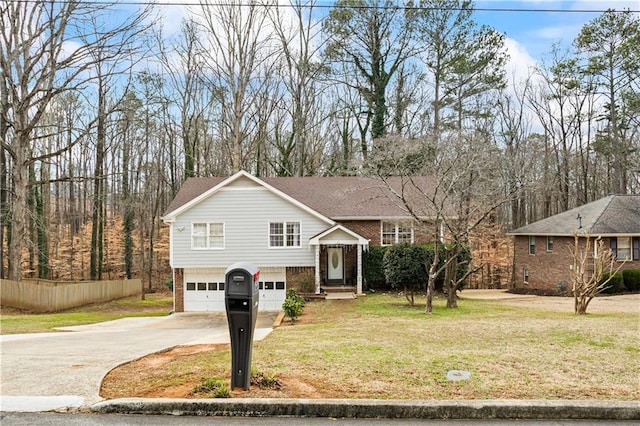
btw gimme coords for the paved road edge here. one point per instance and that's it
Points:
(348, 408)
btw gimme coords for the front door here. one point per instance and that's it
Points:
(335, 265)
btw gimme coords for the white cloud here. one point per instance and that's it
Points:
(520, 62)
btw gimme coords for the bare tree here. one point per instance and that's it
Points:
(37, 66)
(591, 262)
(456, 196)
(240, 55)
(47, 51)
(299, 37)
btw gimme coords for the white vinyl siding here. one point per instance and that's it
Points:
(246, 211)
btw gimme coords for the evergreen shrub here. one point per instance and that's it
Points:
(631, 278)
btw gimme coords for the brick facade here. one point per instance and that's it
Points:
(371, 230)
(297, 275)
(547, 268)
(178, 289)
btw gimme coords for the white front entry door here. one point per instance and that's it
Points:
(335, 265)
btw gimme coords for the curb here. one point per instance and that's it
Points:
(366, 408)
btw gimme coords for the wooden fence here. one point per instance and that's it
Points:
(53, 296)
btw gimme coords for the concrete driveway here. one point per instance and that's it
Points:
(64, 370)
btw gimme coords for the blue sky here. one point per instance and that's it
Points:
(537, 31)
(530, 34)
(534, 32)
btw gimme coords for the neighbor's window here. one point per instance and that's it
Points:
(207, 235)
(622, 249)
(549, 243)
(532, 245)
(396, 232)
(284, 234)
(525, 275)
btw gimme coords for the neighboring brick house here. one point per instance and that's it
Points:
(542, 255)
(292, 228)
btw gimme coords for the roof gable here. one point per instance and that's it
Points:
(195, 190)
(615, 214)
(338, 234)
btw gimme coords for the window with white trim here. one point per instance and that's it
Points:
(208, 235)
(284, 234)
(396, 232)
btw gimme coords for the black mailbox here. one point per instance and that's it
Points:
(241, 301)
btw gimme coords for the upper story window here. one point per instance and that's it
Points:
(532, 245)
(396, 232)
(549, 243)
(209, 235)
(284, 234)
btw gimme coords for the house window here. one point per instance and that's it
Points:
(284, 234)
(396, 232)
(207, 235)
(549, 243)
(622, 248)
(525, 275)
(532, 245)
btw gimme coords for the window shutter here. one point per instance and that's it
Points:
(613, 243)
(635, 243)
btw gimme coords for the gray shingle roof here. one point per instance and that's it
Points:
(340, 197)
(615, 214)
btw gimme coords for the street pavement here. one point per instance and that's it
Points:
(63, 370)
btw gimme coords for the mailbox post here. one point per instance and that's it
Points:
(241, 301)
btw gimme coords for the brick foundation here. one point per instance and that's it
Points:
(178, 289)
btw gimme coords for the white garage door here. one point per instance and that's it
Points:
(204, 289)
(273, 288)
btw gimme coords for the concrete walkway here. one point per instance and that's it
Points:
(64, 370)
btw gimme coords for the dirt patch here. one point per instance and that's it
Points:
(132, 379)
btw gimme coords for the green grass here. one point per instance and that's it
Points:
(379, 347)
(153, 305)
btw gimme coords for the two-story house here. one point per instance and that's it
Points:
(292, 228)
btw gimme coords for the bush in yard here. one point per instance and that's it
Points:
(404, 266)
(373, 267)
(293, 305)
(616, 285)
(631, 278)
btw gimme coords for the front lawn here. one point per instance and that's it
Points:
(379, 347)
(14, 322)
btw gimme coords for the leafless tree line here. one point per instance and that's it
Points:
(104, 112)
